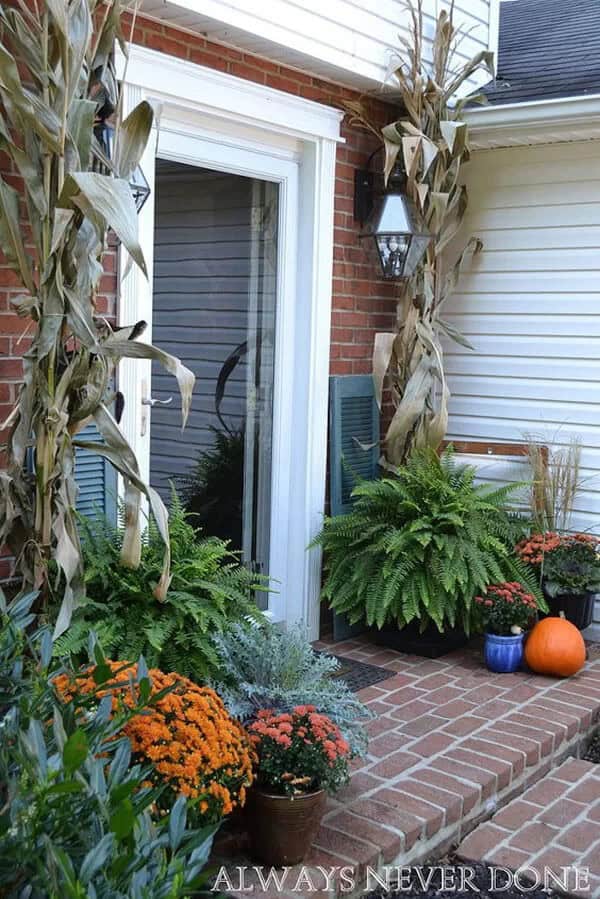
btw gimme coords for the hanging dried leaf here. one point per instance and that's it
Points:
(10, 235)
(133, 349)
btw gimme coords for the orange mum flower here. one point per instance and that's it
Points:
(191, 741)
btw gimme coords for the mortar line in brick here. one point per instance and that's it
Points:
(487, 724)
(328, 818)
(505, 842)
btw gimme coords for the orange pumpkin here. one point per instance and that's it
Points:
(555, 647)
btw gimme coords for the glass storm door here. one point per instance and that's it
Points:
(214, 306)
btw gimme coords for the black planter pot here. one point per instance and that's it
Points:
(343, 630)
(577, 608)
(430, 643)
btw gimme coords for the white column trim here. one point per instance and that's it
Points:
(224, 96)
(225, 122)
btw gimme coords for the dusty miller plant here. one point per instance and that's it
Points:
(57, 73)
(431, 141)
(265, 669)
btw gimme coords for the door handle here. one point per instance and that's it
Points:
(151, 401)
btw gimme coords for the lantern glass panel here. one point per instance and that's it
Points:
(392, 250)
(397, 235)
(140, 188)
(394, 215)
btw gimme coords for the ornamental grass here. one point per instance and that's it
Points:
(193, 745)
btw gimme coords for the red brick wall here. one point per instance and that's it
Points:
(362, 302)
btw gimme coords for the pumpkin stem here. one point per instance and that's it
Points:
(561, 614)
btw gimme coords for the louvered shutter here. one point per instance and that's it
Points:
(353, 453)
(353, 425)
(96, 479)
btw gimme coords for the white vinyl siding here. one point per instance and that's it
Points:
(344, 40)
(530, 305)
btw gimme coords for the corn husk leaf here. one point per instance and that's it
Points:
(383, 348)
(108, 203)
(11, 240)
(132, 139)
(133, 349)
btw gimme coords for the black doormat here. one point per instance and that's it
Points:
(358, 675)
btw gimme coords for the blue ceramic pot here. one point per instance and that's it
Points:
(503, 654)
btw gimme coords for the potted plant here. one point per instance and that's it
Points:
(302, 756)
(262, 667)
(209, 590)
(506, 612)
(569, 572)
(416, 549)
(571, 578)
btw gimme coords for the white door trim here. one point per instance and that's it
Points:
(224, 122)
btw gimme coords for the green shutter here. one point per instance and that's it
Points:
(96, 479)
(353, 436)
(353, 454)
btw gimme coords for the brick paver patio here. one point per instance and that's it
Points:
(553, 824)
(451, 744)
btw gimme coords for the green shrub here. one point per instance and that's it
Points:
(421, 546)
(209, 590)
(265, 669)
(77, 820)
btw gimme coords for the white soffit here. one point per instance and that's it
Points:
(537, 122)
(350, 42)
(219, 22)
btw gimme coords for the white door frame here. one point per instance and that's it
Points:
(218, 121)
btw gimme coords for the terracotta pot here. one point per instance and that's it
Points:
(282, 828)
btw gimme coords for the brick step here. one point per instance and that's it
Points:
(451, 744)
(552, 826)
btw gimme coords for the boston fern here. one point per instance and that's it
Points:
(209, 590)
(420, 546)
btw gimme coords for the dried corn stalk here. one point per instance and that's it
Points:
(56, 72)
(430, 140)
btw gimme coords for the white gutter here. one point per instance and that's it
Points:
(534, 122)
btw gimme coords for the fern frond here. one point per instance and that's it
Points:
(420, 545)
(209, 591)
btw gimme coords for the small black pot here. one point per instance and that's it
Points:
(430, 643)
(577, 608)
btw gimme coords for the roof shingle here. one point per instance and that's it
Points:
(547, 49)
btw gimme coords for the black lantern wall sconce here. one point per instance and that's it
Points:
(390, 221)
(140, 189)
